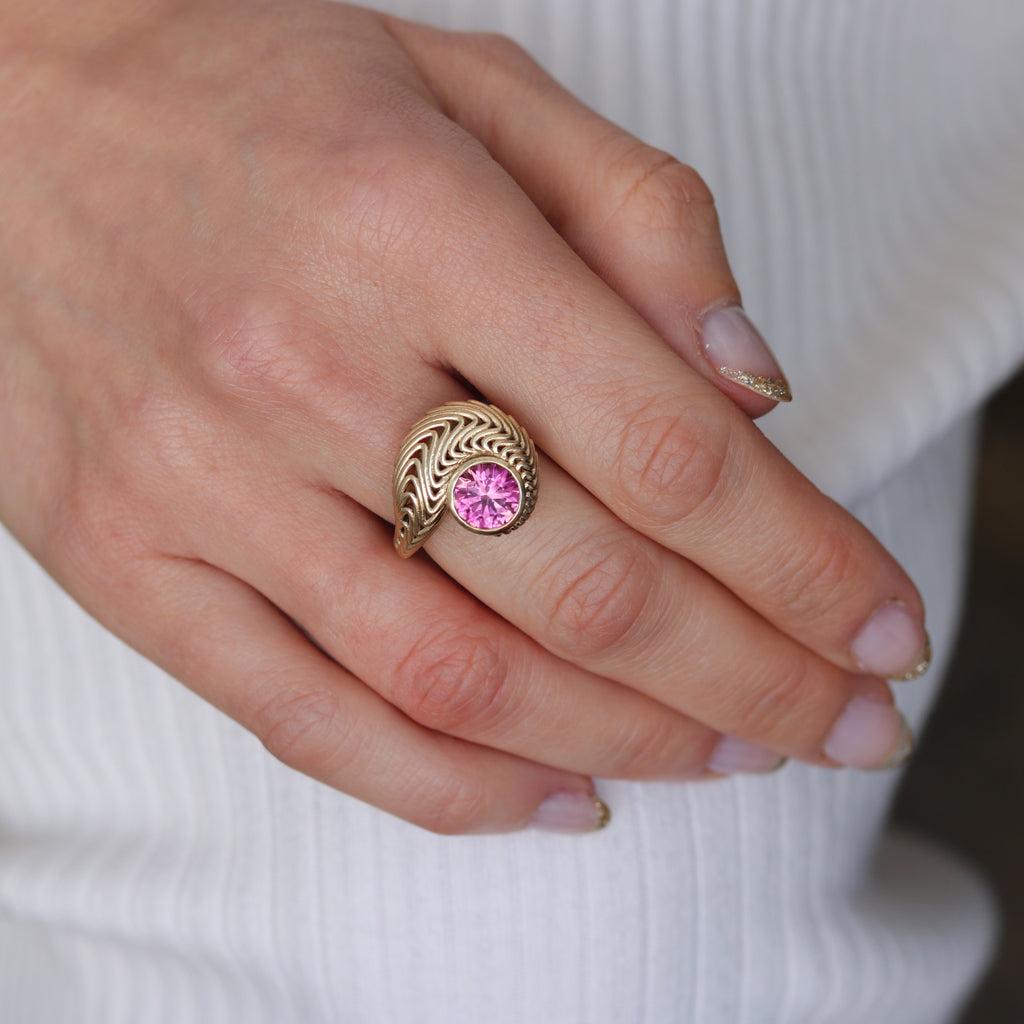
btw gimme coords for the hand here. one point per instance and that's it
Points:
(243, 247)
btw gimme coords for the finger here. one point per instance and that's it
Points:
(584, 585)
(234, 649)
(779, 699)
(610, 403)
(607, 599)
(602, 597)
(448, 662)
(645, 222)
(674, 460)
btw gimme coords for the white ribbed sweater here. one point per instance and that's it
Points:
(157, 866)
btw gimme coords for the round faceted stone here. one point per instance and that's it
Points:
(486, 496)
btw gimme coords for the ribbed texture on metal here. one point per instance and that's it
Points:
(157, 866)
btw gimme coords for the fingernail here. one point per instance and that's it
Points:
(736, 350)
(734, 756)
(571, 811)
(892, 643)
(920, 666)
(870, 734)
(902, 751)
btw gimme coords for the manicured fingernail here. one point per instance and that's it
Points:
(870, 734)
(736, 350)
(920, 666)
(892, 643)
(571, 811)
(734, 756)
(902, 751)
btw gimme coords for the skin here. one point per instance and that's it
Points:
(243, 246)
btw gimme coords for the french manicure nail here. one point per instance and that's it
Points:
(920, 666)
(734, 756)
(870, 734)
(571, 811)
(892, 643)
(736, 350)
(902, 751)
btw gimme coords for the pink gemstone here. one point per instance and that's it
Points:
(486, 496)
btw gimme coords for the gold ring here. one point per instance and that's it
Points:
(468, 458)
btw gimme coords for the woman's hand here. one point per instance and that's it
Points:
(243, 247)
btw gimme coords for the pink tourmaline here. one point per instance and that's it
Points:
(486, 496)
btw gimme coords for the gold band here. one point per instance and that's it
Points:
(468, 458)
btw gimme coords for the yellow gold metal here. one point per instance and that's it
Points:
(775, 388)
(921, 667)
(438, 449)
(604, 814)
(902, 751)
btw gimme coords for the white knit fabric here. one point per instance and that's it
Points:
(157, 866)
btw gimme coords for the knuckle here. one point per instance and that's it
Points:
(670, 465)
(600, 600)
(779, 704)
(251, 347)
(451, 805)
(379, 198)
(656, 191)
(300, 724)
(652, 750)
(499, 49)
(453, 682)
(415, 208)
(815, 580)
